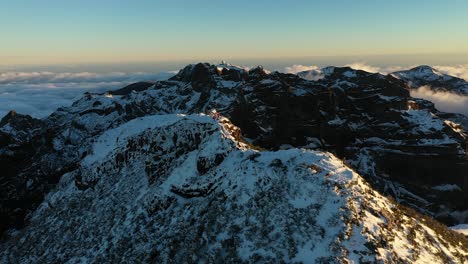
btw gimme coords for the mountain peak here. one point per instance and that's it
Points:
(203, 74)
(425, 69)
(420, 73)
(19, 121)
(11, 114)
(425, 75)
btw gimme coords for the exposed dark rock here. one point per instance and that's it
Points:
(137, 87)
(21, 123)
(199, 75)
(204, 164)
(20, 138)
(190, 192)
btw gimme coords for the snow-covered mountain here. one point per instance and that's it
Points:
(282, 168)
(427, 76)
(176, 188)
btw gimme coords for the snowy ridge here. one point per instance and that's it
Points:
(105, 143)
(427, 76)
(423, 72)
(179, 188)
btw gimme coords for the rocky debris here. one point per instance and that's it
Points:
(294, 206)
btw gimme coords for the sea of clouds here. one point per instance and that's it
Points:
(40, 93)
(444, 101)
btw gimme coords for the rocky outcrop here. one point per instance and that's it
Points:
(134, 87)
(20, 137)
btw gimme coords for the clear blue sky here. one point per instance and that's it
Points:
(53, 31)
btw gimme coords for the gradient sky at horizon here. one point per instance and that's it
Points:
(85, 31)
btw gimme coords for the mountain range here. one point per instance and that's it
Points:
(222, 163)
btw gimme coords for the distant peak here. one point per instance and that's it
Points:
(427, 67)
(423, 67)
(11, 113)
(204, 74)
(195, 72)
(19, 120)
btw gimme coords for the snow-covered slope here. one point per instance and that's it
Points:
(427, 76)
(423, 72)
(187, 189)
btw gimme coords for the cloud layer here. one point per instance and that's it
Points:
(299, 68)
(460, 71)
(40, 93)
(444, 101)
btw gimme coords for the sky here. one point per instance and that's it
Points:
(51, 51)
(94, 32)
